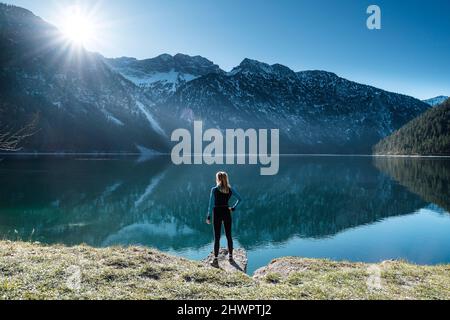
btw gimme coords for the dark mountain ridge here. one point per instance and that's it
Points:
(316, 111)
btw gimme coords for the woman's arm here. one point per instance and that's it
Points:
(238, 197)
(211, 203)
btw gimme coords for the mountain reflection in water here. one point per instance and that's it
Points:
(123, 201)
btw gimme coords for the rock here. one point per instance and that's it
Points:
(284, 267)
(238, 265)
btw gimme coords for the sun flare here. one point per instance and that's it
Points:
(78, 26)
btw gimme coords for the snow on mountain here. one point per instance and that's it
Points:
(436, 100)
(172, 78)
(153, 123)
(112, 118)
(160, 77)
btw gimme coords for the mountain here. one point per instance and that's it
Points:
(88, 103)
(436, 100)
(160, 77)
(83, 105)
(316, 111)
(428, 134)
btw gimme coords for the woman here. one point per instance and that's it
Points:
(218, 205)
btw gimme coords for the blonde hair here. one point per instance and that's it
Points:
(223, 183)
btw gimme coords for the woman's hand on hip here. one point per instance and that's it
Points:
(208, 220)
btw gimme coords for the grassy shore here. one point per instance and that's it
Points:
(33, 271)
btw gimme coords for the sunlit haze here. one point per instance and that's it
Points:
(78, 26)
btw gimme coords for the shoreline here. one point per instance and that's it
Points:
(52, 272)
(131, 154)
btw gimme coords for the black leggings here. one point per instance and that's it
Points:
(222, 215)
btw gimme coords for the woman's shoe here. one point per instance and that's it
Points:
(215, 263)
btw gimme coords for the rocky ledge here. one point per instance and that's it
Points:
(238, 264)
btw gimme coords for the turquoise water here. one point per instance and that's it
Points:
(343, 208)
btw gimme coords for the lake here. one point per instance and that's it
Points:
(365, 209)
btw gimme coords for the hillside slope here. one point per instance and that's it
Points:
(84, 106)
(429, 134)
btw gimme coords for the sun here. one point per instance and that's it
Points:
(78, 26)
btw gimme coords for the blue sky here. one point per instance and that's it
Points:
(410, 54)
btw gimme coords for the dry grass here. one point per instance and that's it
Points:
(33, 271)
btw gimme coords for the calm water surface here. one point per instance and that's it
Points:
(342, 208)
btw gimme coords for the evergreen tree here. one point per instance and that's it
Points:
(429, 134)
